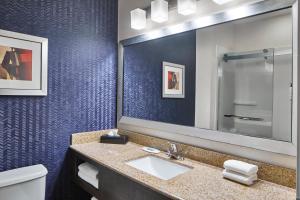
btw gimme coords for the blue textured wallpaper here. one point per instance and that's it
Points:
(82, 83)
(143, 79)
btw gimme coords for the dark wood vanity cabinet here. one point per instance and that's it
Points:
(112, 185)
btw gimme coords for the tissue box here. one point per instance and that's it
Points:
(122, 139)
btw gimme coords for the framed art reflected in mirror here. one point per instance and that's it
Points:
(173, 80)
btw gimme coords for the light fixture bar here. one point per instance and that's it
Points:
(255, 8)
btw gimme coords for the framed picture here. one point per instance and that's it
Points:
(173, 80)
(23, 64)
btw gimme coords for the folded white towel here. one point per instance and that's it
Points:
(87, 175)
(89, 169)
(247, 180)
(94, 198)
(88, 179)
(241, 167)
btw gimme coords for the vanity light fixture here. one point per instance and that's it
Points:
(159, 11)
(138, 19)
(221, 2)
(186, 7)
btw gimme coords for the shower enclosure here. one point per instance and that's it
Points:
(255, 93)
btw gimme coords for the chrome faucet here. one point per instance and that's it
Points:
(173, 152)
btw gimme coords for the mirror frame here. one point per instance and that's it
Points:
(275, 152)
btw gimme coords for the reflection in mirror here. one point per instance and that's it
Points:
(144, 73)
(234, 77)
(255, 92)
(244, 76)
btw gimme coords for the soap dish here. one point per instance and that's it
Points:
(150, 150)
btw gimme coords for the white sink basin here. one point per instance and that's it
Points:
(158, 167)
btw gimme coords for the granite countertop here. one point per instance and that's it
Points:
(203, 182)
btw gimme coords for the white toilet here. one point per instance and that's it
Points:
(27, 183)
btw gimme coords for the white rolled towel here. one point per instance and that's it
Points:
(93, 181)
(246, 180)
(241, 167)
(89, 169)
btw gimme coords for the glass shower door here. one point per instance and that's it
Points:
(246, 92)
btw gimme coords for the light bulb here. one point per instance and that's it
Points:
(186, 7)
(220, 2)
(159, 11)
(138, 19)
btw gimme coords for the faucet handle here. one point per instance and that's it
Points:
(173, 147)
(173, 152)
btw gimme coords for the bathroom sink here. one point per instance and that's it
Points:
(158, 167)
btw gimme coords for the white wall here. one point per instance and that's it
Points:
(204, 7)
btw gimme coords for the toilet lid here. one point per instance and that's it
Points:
(20, 175)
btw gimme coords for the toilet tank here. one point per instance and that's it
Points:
(27, 183)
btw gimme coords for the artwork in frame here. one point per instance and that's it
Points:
(173, 80)
(23, 64)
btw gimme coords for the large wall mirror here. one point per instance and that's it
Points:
(236, 77)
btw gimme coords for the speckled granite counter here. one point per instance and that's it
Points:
(203, 182)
